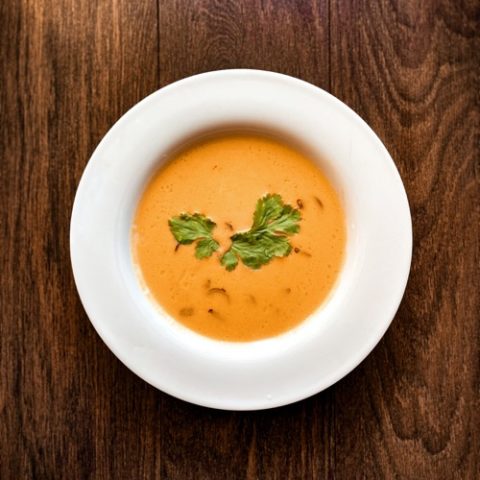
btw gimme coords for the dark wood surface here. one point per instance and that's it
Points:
(69, 409)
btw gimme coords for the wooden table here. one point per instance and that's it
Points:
(69, 409)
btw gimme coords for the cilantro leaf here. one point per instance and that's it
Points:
(229, 260)
(273, 222)
(205, 248)
(187, 228)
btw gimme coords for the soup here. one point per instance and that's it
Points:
(241, 279)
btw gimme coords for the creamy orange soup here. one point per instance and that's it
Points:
(222, 177)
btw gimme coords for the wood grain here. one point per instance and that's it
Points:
(69, 409)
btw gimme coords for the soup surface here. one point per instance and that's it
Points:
(222, 178)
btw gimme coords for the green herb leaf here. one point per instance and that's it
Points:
(187, 228)
(229, 260)
(205, 248)
(273, 222)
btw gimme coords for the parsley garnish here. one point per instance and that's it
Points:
(187, 228)
(273, 222)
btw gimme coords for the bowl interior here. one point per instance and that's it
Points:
(132, 275)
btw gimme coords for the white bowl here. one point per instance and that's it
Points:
(265, 373)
